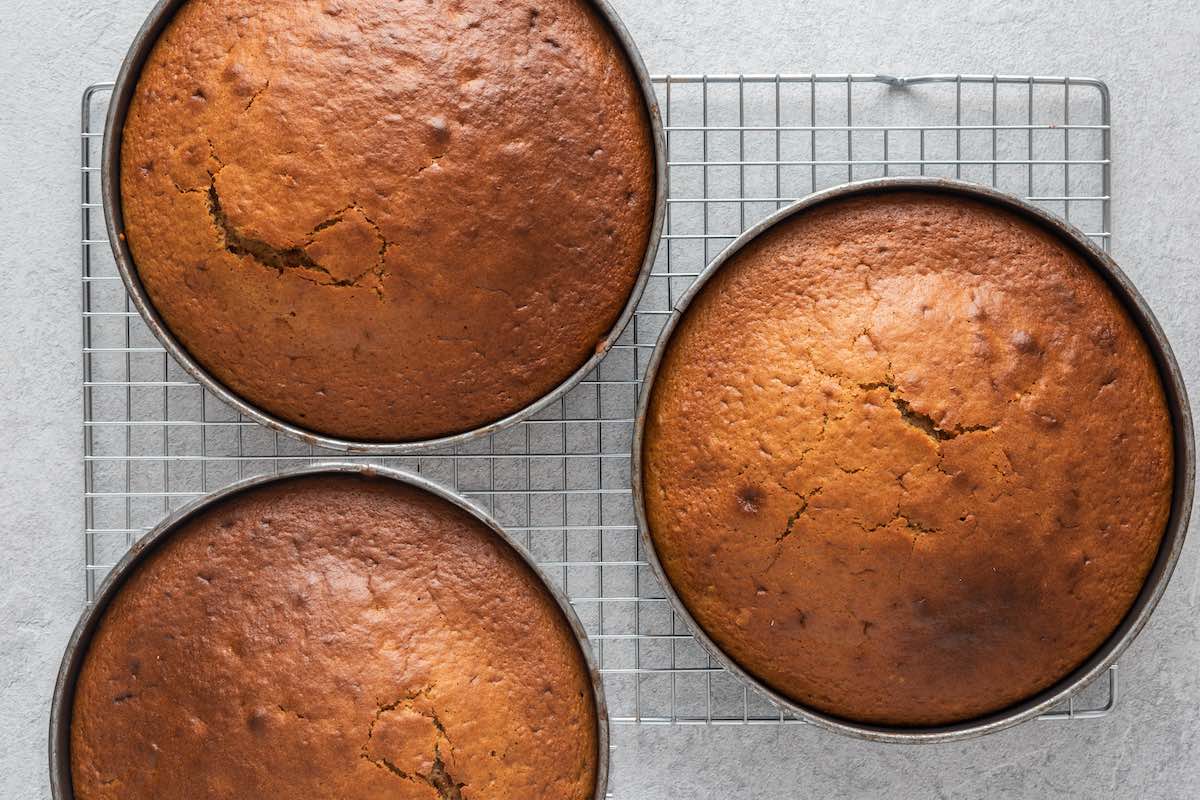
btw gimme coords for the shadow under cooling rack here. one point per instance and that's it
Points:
(739, 147)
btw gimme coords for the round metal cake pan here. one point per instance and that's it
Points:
(77, 646)
(110, 191)
(1181, 500)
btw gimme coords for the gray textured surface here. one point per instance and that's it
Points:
(1149, 747)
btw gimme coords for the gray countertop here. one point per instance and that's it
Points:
(1149, 53)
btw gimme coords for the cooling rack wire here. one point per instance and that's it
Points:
(739, 147)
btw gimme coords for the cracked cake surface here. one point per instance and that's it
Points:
(388, 221)
(334, 637)
(907, 459)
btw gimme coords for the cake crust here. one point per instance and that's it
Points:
(333, 637)
(907, 459)
(386, 221)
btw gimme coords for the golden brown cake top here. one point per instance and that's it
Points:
(388, 221)
(334, 637)
(907, 459)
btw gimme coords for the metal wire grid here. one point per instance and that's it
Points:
(739, 147)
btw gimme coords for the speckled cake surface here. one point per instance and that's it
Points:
(907, 459)
(334, 637)
(387, 221)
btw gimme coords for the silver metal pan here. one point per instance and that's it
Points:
(1181, 502)
(110, 190)
(64, 689)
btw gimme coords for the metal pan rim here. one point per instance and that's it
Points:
(1173, 535)
(77, 645)
(110, 190)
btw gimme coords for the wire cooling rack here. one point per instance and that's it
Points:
(739, 147)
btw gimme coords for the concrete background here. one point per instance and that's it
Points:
(1149, 53)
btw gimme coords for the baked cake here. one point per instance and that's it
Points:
(386, 221)
(907, 459)
(334, 637)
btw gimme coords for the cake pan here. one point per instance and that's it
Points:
(1181, 499)
(77, 646)
(110, 190)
